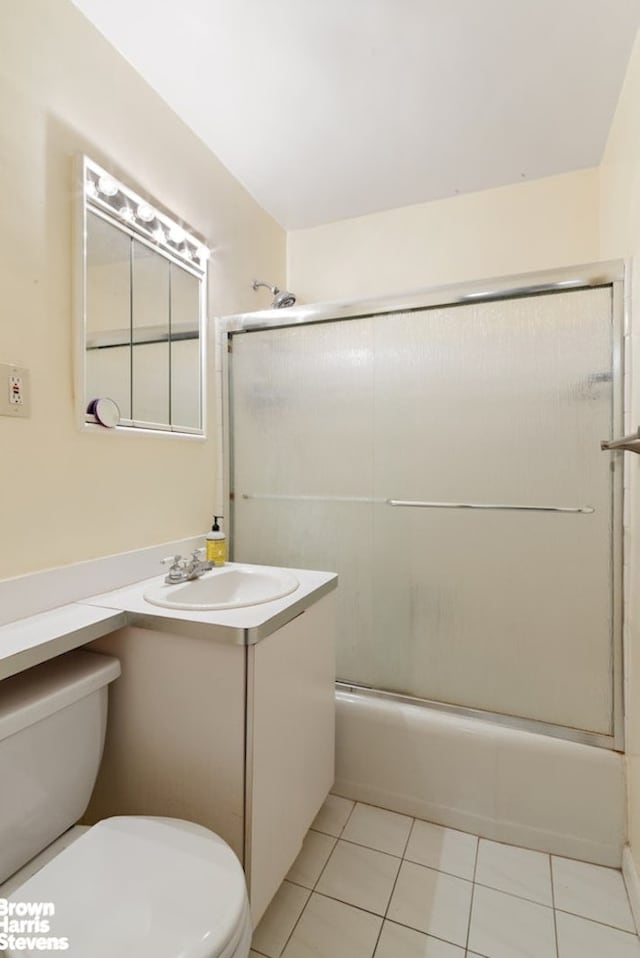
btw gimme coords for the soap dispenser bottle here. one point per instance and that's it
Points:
(216, 544)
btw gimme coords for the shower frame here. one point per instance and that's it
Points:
(606, 274)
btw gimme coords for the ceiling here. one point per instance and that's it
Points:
(327, 109)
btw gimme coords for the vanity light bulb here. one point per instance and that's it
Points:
(91, 188)
(145, 213)
(176, 234)
(159, 235)
(107, 186)
(126, 213)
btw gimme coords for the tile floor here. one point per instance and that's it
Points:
(369, 882)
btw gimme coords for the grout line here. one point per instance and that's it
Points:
(371, 848)
(427, 821)
(473, 889)
(375, 914)
(298, 884)
(348, 818)
(312, 891)
(324, 867)
(297, 921)
(349, 904)
(442, 871)
(409, 834)
(393, 887)
(553, 903)
(532, 901)
(595, 921)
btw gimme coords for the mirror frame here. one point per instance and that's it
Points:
(174, 241)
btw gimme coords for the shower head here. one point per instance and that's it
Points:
(281, 297)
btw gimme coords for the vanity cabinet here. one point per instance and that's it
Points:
(237, 738)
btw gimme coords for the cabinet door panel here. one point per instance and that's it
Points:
(175, 732)
(291, 741)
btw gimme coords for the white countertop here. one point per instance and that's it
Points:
(38, 638)
(242, 626)
(32, 640)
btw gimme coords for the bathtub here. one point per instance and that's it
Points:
(502, 783)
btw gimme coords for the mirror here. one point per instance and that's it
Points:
(143, 295)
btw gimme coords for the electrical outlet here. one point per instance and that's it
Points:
(14, 391)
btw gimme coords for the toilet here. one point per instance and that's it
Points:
(132, 886)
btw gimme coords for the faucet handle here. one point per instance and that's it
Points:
(198, 554)
(178, 570)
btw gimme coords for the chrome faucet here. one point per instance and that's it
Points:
(182, 570)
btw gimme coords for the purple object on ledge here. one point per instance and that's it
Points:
(106, 411)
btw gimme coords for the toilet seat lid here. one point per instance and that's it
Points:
(143, 887)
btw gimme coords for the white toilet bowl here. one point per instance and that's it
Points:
(141, 887)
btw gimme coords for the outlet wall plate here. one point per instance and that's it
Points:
(15, 391)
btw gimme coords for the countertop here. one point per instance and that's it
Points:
(244, 626)
(35, 639)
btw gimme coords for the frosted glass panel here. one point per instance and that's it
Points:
(493, 403)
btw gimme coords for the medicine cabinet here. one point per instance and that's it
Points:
(141, 302)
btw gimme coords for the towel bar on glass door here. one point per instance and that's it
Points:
(416, 503)
(421, 504)
(626, 444)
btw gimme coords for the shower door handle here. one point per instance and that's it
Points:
(421, 504)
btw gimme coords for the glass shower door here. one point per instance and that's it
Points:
(446, 463)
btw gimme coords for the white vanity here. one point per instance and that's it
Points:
(223, 717)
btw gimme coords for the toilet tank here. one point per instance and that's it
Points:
(53, 720)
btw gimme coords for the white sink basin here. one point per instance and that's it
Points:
(229, 587)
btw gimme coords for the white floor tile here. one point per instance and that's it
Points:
(333, 815)
(591, 891)
(442, 848)
(359, 876)
(331, 929)
(377, 828)
(579, 938)
(506, 927)
(314, 855)
(432, 902)
(396, 941)
(279, 920)
(517, 871)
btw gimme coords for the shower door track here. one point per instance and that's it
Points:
(516, 722)
(461, 294)
(581, 277)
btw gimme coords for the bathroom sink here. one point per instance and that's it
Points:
(229, 587)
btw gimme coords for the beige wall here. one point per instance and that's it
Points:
(533, 225)
(620, 218)
(67, 496)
